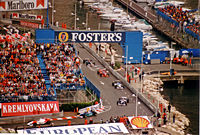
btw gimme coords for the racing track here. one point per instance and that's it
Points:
(109, 94)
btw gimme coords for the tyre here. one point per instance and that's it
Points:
(34, 125)
(117, 102)
(127, 100)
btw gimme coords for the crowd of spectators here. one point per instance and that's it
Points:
(184, 18)
(63, 65)
(20, 75)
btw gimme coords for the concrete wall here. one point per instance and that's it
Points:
(119, 77)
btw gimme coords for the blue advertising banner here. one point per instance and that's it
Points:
(90, 36)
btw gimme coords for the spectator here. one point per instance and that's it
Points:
(86, 122)
(91, 120)
(174, 118)
(169, 108)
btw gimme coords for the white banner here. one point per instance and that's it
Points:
(89, 108)
(79, 129)
(13, 5)
(140, 122)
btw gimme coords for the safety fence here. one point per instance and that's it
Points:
(92, 87)
(70, 86)
(25, 98)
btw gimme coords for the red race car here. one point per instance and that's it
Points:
(103, 72)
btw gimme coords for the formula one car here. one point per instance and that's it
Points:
(41, 121)
(87, 61)
(103, 73)
(124, 98)
(87, 114)
(117, 84)
(122, 102)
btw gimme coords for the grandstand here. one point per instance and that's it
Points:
(184, 19)
(38, 72)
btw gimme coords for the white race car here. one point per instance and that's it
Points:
(41, 121)
(117, 84)
(124, 98)
(122, 102)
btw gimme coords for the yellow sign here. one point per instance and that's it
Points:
(140, 122)
(63, 36)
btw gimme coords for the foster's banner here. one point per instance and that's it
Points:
(29, 108)
(13, 5)
(90, 36)
(93, 129)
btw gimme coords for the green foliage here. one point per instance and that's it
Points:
(72, 106)
(117, 65)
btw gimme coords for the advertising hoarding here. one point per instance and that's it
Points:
(27, 16)
(29, 108)
(14, 5)
(79, 129)
(29, 24)
(90, 36)
(140, 122)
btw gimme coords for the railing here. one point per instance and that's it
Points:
(151, 18)
(92, 87)
(169, 19)
(7, 99)
(69, 86)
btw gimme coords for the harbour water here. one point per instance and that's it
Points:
(185, 98)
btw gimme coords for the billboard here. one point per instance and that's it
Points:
(29, 24)
(133, 47)
(27, 16)
(109, 128)
(90, 36)
(45, 36)
(140, 122)
(14, 5)
(29, 108)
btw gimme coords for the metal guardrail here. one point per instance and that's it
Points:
(151, 18)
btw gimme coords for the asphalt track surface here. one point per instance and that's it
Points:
(109, 95)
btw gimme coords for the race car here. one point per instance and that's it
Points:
(124, 98)
(117, 84)
(87, 114)
(89, 62)
(122, 102)
(103, 73)
(41, 121)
